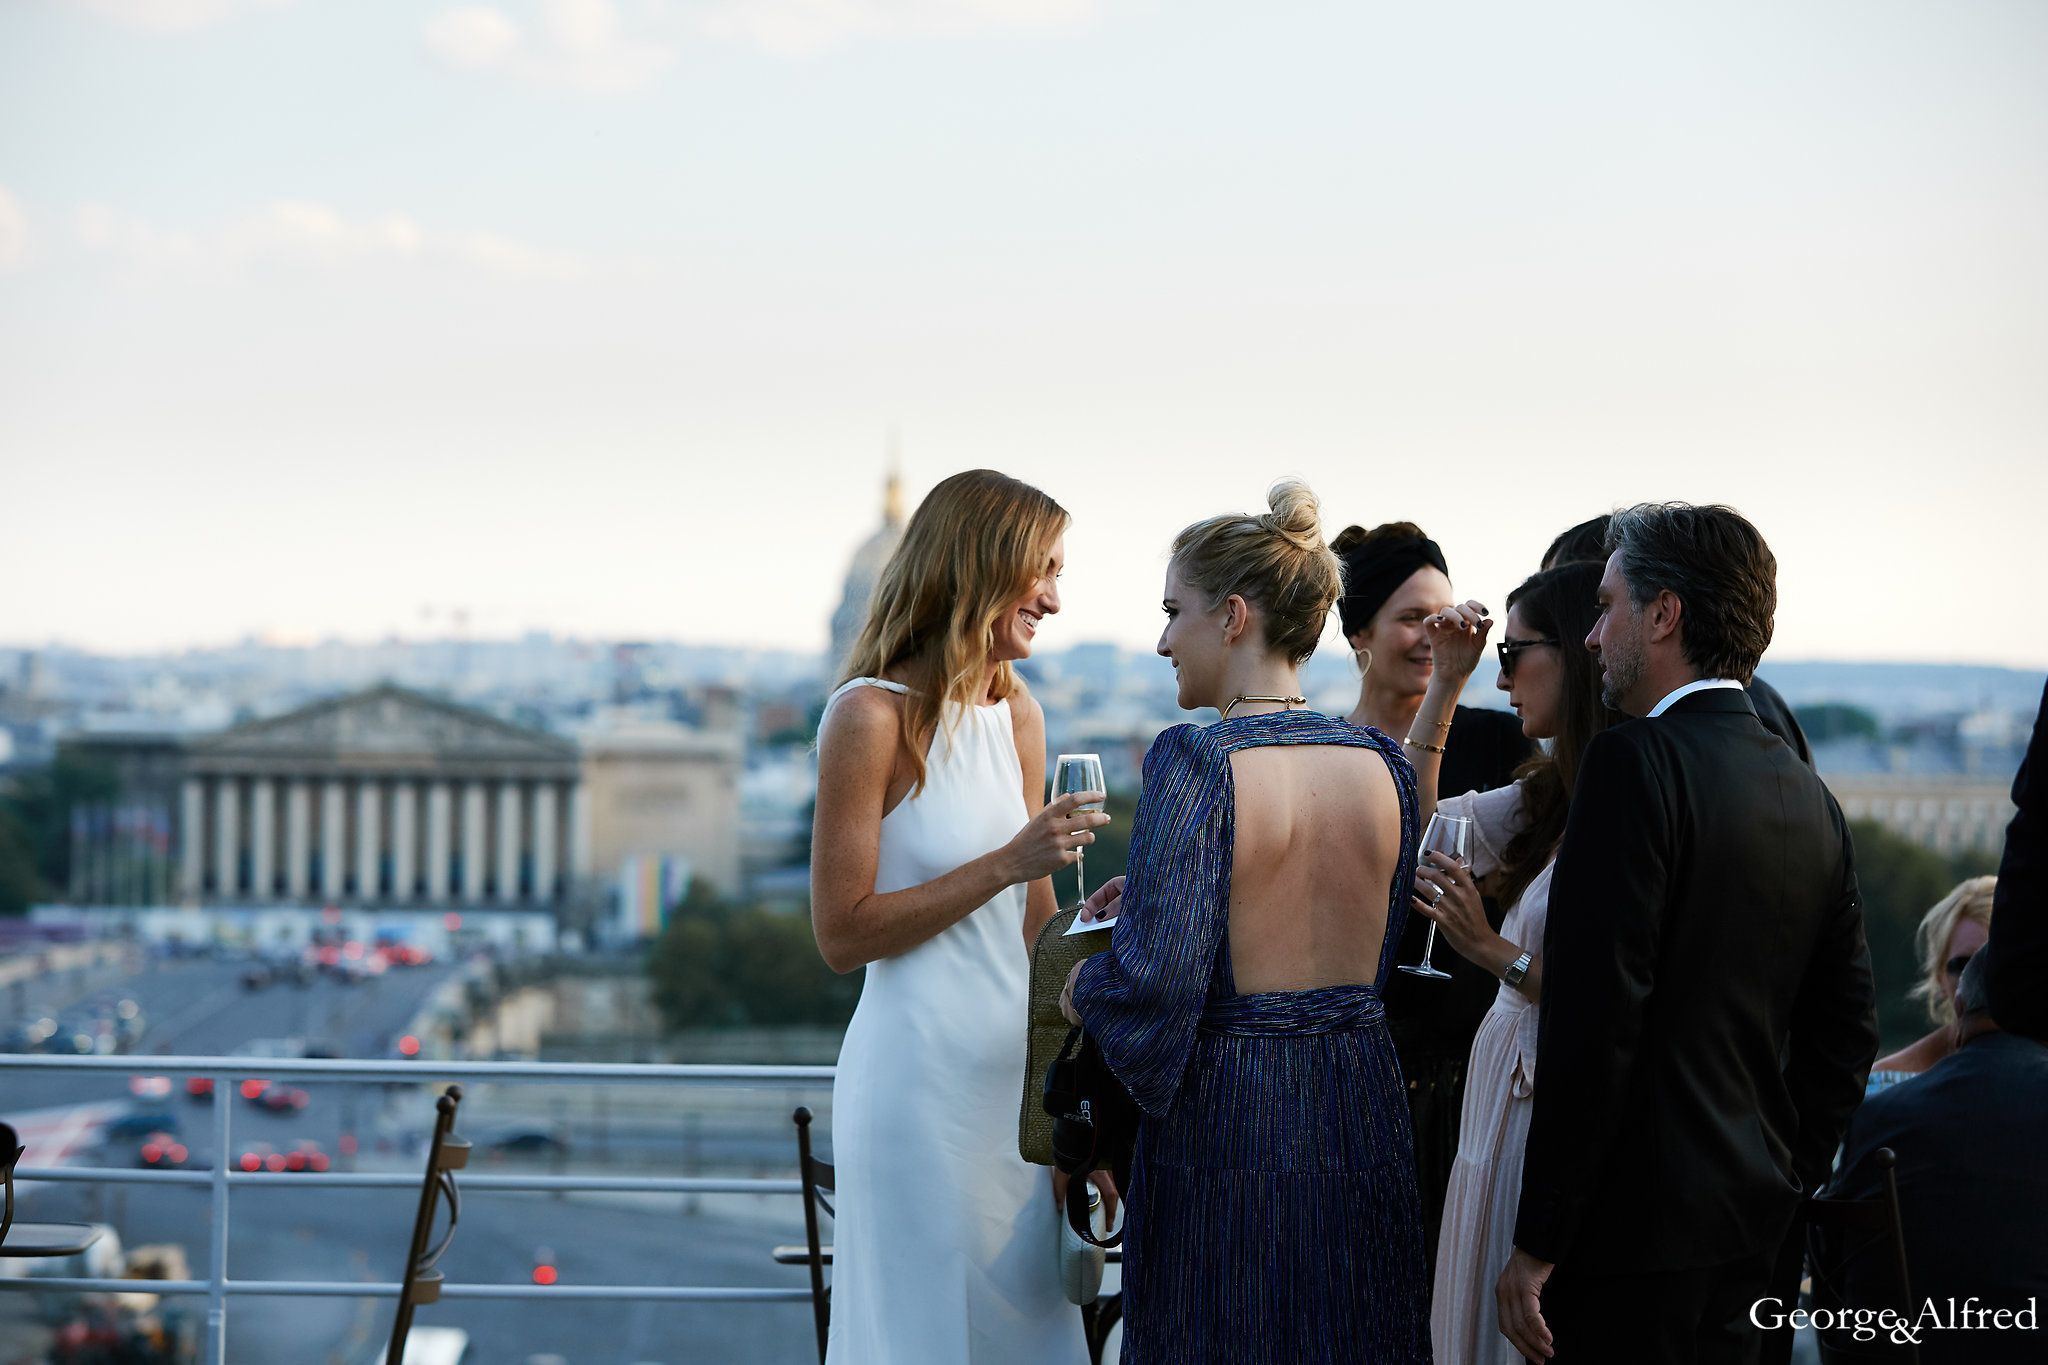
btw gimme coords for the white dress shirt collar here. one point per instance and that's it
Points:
(1702, 685)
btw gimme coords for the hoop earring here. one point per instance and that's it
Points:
(1365, 667)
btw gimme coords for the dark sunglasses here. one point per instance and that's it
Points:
(1954, 966)
(1509, 648)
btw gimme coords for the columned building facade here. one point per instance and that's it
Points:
(383, 798)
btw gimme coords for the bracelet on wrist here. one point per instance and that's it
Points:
(1426, 748)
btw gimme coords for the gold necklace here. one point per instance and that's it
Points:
(1278, 701)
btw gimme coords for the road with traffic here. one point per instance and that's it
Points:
(201, 1007)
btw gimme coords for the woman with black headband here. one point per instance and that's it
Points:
(1395, 577)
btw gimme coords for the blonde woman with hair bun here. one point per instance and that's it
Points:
(1950, 934)
(1272, 1213)
(932, 850)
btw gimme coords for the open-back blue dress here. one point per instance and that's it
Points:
(1273, 1212)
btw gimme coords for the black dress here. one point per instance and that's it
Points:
(1434, 1022)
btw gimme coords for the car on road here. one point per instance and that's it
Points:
(144, 1121)
(522, 1144)
(273, 1098)
(83, 1035)
(261, 1156)
(306, 1155)
(150, 1087)
(161, 1152)
(29, 1034)
(123, 1015)
(303, 1155)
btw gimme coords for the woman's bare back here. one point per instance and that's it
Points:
(1318, 841)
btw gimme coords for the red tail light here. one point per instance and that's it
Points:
(152, 1152)
(543, 1274)
(275, 1161)
(251, 1162)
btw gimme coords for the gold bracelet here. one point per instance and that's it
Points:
(1441, 724)
(1426, 748)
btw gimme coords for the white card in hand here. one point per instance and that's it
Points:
(1081, 926)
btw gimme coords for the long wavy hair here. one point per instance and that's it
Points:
(977, 543)
(1558, 604)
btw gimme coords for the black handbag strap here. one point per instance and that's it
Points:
(1077, 1214)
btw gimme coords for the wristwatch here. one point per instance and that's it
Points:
(1517, 970)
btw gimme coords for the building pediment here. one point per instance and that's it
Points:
(385, 727)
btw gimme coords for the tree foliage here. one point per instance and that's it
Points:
(1832, 720)
(35, 826)
(718, 964)
(20, 887)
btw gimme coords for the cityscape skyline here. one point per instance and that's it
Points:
(595, 319)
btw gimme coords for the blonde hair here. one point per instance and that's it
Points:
(1276, 561)
(977, 543)
(1969, 901)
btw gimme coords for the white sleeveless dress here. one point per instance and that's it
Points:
(943, 1247)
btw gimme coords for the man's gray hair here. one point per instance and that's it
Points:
(1973, 989)
(1718, 567)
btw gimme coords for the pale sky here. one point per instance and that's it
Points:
(593, 315)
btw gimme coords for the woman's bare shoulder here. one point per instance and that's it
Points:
(1024, 708)
(861, 718)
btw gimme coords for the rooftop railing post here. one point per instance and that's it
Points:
(217, 1248)
(421, 1283)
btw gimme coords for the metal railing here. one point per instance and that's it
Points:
(221, 1179)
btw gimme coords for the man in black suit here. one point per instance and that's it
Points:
(1588, 540)
(2018, 951)
(1973, 1193)
(1707, 1017)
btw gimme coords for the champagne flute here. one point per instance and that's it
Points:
(1446, 834)
(1078, 773)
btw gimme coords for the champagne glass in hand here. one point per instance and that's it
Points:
(1078, 773)
(1446, 835)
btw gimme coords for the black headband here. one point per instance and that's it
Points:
(1372, 572)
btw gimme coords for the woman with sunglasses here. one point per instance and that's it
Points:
(1948, 937)
(1553, 684)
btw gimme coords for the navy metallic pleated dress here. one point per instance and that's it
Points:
(1273, 1212)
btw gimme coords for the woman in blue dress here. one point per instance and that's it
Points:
(1273, 1212)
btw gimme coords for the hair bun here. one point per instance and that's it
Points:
(1296, 514)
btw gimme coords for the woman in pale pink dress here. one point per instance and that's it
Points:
(1554, 686)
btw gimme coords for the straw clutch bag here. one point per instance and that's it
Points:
(1052, 957)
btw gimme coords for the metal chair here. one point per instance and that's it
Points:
(1876, 1228)
(33, 1239)
(1098, 1319)
(819, 1183)
(421, 1284)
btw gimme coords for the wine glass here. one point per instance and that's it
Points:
(1446, 834)
(1078, 773)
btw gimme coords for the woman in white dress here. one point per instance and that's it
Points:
(931, 856)
(1553, 684)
